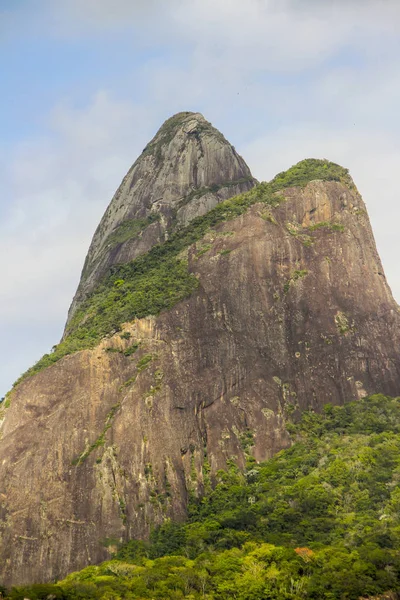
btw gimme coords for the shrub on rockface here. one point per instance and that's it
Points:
(311, 169)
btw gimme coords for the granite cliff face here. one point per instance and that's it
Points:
(291, 310)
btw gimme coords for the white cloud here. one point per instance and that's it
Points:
(253, 35)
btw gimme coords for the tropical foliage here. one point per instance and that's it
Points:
(320, 520)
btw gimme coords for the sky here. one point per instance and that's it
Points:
(85, 84)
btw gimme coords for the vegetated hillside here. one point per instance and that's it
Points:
(159, 279)
(319, 520)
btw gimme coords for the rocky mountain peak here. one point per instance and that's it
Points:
(184, 171)
(186, 123)
(200, 345)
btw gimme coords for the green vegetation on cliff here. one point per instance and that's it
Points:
(151, 283)
(320, 520)
(158, 280)
(311, 169)
(199, 192)
(129, 229)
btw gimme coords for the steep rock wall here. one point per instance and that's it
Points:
(186, 170)
(292, 311)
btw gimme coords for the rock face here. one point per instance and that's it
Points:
(185, 170)
(292, 311)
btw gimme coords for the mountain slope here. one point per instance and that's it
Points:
(271, 303)
(319, 520)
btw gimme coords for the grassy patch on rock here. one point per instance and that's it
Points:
(129, 229)
(312, 169)
(295, 276)
(326, 225)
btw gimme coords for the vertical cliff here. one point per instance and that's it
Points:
(194, 354)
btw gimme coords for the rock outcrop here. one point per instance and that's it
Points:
(185, 170)
(292, 310)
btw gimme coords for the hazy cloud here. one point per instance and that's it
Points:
(60, 185)
(78, 17)
(266, 34)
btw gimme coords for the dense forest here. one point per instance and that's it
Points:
(319, 520)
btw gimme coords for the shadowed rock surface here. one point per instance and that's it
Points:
(292, 311)
(185, 170)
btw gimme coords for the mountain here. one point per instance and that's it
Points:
(201, 326)
(186, 170)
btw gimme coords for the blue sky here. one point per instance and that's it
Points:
(86, 83)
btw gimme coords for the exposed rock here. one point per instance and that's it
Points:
(186, 170)
(292, 311)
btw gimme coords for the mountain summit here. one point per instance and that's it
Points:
(186, 170)
(200, 328)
